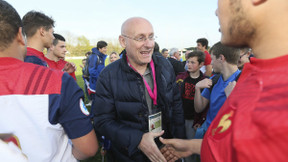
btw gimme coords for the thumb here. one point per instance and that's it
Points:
(164, 141)
(158, 134)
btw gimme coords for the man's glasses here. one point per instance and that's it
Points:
(141, 38)
(244, 54)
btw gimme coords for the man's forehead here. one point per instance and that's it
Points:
(138, 26)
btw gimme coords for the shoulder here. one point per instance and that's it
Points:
(113, 68)
(43, 79)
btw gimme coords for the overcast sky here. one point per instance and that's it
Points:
(176, 23)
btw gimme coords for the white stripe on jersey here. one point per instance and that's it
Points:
(26, 116)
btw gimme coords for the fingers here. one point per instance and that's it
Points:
(156, 155)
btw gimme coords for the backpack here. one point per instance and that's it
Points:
(86, 70)
(216, 78)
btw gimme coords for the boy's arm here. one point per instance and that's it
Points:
(201, 102)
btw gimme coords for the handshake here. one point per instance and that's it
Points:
(173, 150)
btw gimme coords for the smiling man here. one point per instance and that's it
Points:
(136, 96)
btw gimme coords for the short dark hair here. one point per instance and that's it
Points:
(101, 44)
(203, 42)
(164, 50)
(57, 38)
(88, 53)
(199, 54)
(231, 54)
(156, 47)
(34, 20)
(10, 22)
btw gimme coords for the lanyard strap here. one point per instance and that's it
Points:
(153, 94)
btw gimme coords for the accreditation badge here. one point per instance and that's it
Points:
(155, 122)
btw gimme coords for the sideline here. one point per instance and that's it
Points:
(75, 57)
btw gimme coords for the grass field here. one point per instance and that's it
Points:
(78, 62)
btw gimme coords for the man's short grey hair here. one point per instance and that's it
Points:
(172, 51)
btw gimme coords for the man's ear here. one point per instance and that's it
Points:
(21, 38)
(222, 57)
(122, 41)
(42, 31)
(258, 2)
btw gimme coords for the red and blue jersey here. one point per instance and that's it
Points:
(59, 65)
(36, 57)
(43, 108)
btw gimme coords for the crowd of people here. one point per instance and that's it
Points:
(147, 105)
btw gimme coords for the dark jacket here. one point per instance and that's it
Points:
(121, 112)
(95, 66)
(178, 66)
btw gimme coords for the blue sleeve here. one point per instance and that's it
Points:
(206, 93)
(105, 119)
(69, 110)
(35, 60)
(92, 68)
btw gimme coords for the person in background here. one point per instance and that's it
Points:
(39, 30)
(156, 50)
(42, 107)
(113, 57)
(96, 63)
(184, 62)
(245, 54)
(165, 53)
(224, 62)
(174, 59)
(202, 45)
(55, 56)
(187, 81)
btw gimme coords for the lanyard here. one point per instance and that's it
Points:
(153, 94)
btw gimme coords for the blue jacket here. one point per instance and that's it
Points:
(120, 109)
(93, 68)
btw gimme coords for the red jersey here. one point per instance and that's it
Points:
(252, 124)
(36, 57)
(207, 60)
(59, 65)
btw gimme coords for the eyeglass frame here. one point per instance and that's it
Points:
(153, 37)
(244, 54)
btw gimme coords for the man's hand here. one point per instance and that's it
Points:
(229, 88)
(69, 67)
(149, 147)
(183, 148)
(205, 83)
(168, 151)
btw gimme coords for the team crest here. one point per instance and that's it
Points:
(83, 107)
(223, 125)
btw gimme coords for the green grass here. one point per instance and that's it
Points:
(80, 82)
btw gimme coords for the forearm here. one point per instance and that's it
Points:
(85, 146)
(198, 101)
(78, 154)
(195, 146)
